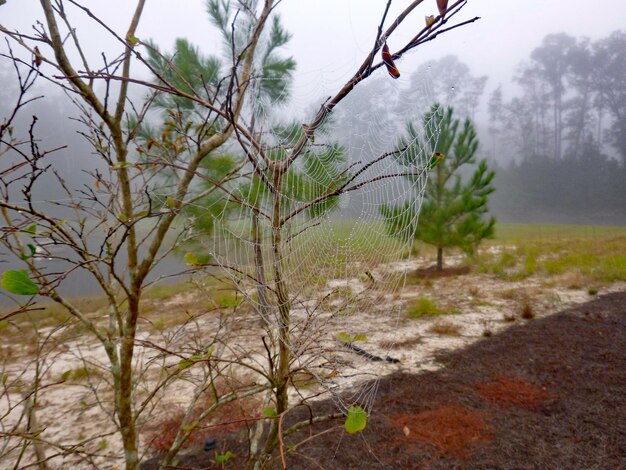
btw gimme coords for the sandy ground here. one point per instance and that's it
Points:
(481, 305)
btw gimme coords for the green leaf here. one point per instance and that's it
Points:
(356, 419)
(132, 39)
(5, 377)
(103, 444)
(221, 458)
(17, 282)
(185, 364)
(31, 229)
(170, 202)
(191, 258)
(269, 412)
(345, 337)
(32, 250)
(66, 375)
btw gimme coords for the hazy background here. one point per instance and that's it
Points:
(331, 38)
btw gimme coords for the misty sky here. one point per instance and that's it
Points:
(331, 37)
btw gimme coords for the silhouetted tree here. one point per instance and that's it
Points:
(609, 65)
(449, 81)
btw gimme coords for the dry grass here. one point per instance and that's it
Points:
(527, 311)
(445, 328)
(404, 344)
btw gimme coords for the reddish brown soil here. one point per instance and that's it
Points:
(508, 390)
(451, 429)
(545, 394)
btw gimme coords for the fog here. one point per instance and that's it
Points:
(331, 37)
(330, 40)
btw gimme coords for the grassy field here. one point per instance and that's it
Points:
(588, 256)
(525, 232)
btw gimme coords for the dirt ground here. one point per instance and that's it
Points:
(545, 394)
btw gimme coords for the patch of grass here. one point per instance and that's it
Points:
(506, 260)
(515, 264)
(553, 297)
(445, 328)
(575, 280)
(598, 260)
(358, 239)
(48, 314)
(159, 324)
(81, 374)
(424, 307)
(227, 298)
(518, 232)
(342, 292)
(612, 268)
(166, 291)
(474, 291)
(508, 294)
(530, 263)
(592, 291)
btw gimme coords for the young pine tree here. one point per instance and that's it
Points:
(455, 202)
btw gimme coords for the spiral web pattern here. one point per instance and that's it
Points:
(343, 270)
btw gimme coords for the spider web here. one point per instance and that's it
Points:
(343, 268)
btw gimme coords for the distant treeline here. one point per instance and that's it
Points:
(566, 132)
(557, 143)
(589, 190)
(556, 137)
